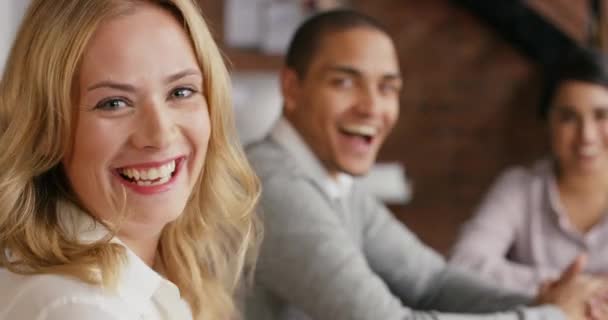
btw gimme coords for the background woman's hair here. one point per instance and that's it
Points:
(204, 251)
(585, 65)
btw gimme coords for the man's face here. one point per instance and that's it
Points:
(348, 100)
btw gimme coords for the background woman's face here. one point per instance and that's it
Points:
(578, 123)
(142, 121)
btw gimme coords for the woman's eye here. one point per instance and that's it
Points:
(567, 117)
(390, 88)
(182, 93)
(111, 104)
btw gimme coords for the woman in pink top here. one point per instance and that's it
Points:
(535, 221)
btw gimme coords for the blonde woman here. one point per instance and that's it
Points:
(123, 191)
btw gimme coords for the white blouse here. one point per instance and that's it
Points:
(142, 294)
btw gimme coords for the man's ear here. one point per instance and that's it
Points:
(290, 88)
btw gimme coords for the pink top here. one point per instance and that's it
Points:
(521, 235)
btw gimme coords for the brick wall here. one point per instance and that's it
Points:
(468, 111)
(572, 16)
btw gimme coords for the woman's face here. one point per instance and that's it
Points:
(142, 123)
(578, 123)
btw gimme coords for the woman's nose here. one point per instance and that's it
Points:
(155, 128)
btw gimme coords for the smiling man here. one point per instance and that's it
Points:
(331, 251)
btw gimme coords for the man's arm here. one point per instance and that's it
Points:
(309, 259)
(420, 276)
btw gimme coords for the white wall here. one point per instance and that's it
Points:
(257, 103)
(11, 12)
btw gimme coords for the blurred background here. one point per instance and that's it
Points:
(11, 12)
(472, 71)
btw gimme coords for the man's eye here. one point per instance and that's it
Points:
(601, 114)
(342, 82)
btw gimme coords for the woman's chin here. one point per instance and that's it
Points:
(591, 165)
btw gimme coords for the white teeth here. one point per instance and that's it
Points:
(163, 180)
(153, 174)
(588, 152)
(363, 130)
(144, 177)
(165, 170)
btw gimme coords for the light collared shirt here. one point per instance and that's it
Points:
(142, 293)
(521, 234)
(337, 188)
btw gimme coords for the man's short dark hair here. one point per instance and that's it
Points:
(585, 65)
(310, 33)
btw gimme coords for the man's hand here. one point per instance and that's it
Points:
(581, 297)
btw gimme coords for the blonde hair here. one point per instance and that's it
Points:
(204, 251)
